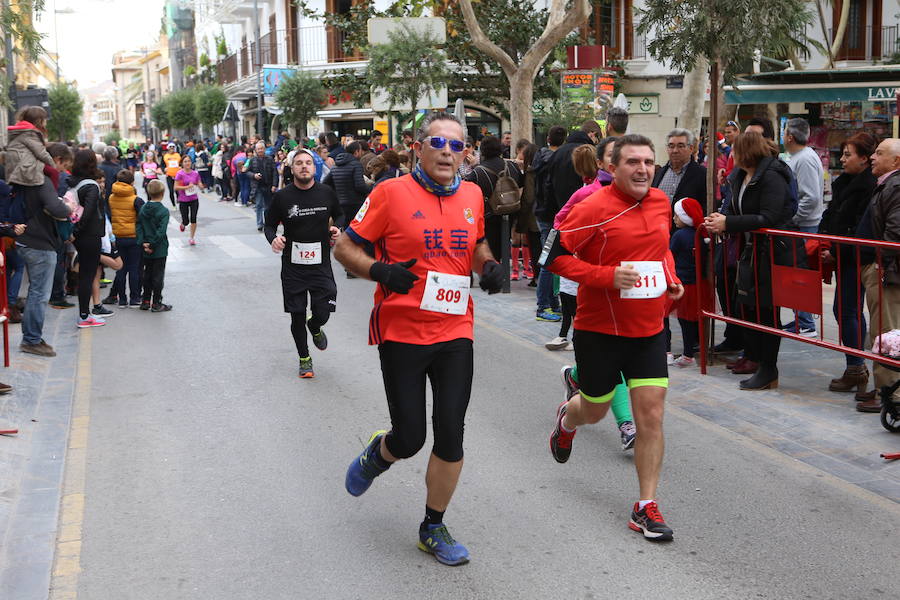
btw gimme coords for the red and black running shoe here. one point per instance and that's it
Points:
(650, 522)
(560, 439)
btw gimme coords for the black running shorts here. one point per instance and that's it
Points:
(603, 359)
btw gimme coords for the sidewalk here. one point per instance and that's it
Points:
(31, 462)
(801, 419)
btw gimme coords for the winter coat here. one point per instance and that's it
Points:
(886, 224)
(124, 205)
(26, 155)
(850, 195)
(766, 203)
(43, 208)
(563, 181)
(544, 204)
(691, 185)
(93, 219)
(347, 180)
(266, 167)
(217, 171)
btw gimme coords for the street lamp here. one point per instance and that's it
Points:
(59, 11)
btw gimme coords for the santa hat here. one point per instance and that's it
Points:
(689, 211)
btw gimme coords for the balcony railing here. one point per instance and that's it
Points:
(868, 43)
(306, 46)
(227, 69)
(636, 43)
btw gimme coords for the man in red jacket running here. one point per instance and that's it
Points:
(615, 244)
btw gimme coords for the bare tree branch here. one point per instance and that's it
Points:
(483, 43)
(570, 20)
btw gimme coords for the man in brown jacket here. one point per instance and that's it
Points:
(883, 217)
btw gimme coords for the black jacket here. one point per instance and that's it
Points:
(43, 208)
(110, 170)
(543, 210)
(850, 195)
(264, 166)
(562, 180)
(93, 218)
(347, 180)
(766, 203)
(692, 184)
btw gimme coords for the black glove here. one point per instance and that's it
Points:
(395, 276)
(491, 277)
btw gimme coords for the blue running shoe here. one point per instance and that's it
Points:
(363, 470)
(548, 315)
(436, 540)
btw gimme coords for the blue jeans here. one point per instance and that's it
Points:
(852, 294)
(14, 272)
(244, 185)
(131, 267)
(41, 265)
(263, 198)
(545, 296)
(804, 319)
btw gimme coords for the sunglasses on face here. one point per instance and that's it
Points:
(437, 142)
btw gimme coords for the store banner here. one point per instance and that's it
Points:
(772, 94)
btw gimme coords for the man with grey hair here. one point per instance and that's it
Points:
(263, 178)
(616, 122)
(881, 221)
(807, 168)
(110, 167)
(682, 176)
(427, 229)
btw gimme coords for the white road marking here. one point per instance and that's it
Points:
(234, 247)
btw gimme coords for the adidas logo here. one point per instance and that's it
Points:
(418, 215)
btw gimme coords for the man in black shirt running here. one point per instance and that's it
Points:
(308, 211)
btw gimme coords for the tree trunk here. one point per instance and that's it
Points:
(693, 96)
(521, 103)
(841, 29)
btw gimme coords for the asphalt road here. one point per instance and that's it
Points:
(214, 473)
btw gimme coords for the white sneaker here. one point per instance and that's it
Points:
(670, 359)
(557, 343)
(685, 361)
(237, 202)
(570, 347)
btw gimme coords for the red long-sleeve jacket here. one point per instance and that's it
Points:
(601, 232)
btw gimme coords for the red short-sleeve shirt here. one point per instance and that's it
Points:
(404, 221)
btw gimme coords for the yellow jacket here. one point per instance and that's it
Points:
(122, 213)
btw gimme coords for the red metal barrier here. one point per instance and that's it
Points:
(793, 287)
(4, 308)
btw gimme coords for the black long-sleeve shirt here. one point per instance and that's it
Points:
(306, 216)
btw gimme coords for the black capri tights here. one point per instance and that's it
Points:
(189, 211)
(449, 366)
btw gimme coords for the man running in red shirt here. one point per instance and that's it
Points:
(428, 232)
(615, 244)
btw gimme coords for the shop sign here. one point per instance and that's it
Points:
(272, 77)
(594, 88)
(882, 93)
(646, 104)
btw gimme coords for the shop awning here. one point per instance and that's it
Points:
(776, 93)
(866, 84)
